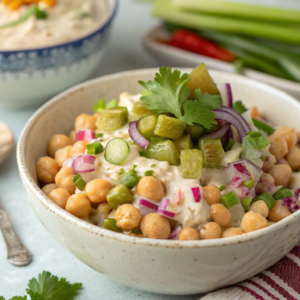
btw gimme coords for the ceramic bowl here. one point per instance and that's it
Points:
(161, 266)
(29, 77)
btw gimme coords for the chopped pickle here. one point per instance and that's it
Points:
(213, 152)
(194, 131)
(110, 224)
(140, 110)
(168, 127)
(112, 118)
(200, 78)
(147, 125)
(130, 179)
(119, 195)
(184, 142)
(162, 151)
(191, 163)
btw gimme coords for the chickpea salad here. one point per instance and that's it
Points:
(179, 161)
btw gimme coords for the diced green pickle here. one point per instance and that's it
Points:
(194, 131)
(200, 79)
(184, 142)
(110, 224)
(119, 195)
(130, 179)
(140, 110)
(112, 118)
(147, 125)
(191, 161)
(163, 151)
(213, 152)
(168, 127)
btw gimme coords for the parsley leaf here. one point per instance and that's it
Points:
(239, 107)
(49, 287)
(168, 93)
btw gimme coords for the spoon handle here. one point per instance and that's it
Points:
(17, 254)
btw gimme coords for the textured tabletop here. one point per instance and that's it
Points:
(125, 52)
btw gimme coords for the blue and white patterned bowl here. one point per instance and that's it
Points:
(29, 77)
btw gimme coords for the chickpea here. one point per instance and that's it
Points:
(100, 214)
(278, 146)
(64, 179)
(85, 121)
(269, 163)
(155, 226)
(260, 207)
(255, 113)
(60, 197)
(62, 155)
(220, 214)
(265, 184)
(73, 136)
(289, 134)
(97, 189)
(151, 188)
(188, 234)
(210, 230)
(253, 221)
(78, 205)
(128, 217)
(211, 194)
(78, 148)
(232, 231)
(58, 141)
(282, 174)
(279, 211)
(46, 169)
(48, 188)
(293, 157)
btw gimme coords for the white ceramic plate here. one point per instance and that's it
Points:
(176, 57)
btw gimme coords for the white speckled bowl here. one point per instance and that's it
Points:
(161, 266)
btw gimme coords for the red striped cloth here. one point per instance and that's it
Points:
(280, 282)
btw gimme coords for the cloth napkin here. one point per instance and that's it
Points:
(279, 282)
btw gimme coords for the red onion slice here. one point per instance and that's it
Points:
(241, 168)
(68, 162)
(218, 133)
(226, 94)
(83, 164)
(174, 235)
(164, 203)
(166, 213)
(196, 193)
(146, 207)
(253, 169)
(136, 136)
(85, 135)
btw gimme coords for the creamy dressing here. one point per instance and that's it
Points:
(62, 24)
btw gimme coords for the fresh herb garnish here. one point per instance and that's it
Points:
(239, 107)
(99, 135)
(122, 171)
(153, 166)
(149, 173)
(49, 287)
(168, 93)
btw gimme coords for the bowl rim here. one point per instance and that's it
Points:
(112, 9)
(174, 244)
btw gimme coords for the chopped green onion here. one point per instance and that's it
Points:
(148, 173)
(249, 184)
(222, 188)
(258, 140)
(263, 126)
(282, 193)
(153, 166)
(239, 107)
(99, 105)
(266, 197)
(246, 203)
(112, 103)
(122, 171)
(94, 148)
(99, 135)
(79, 182)
(130, 179)
(229, 145)
(264, 157)
(158, 139)
(134, 167)
(229, 200)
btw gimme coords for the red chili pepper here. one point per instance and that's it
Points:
(192, 42)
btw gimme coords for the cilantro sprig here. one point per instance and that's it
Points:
(168, 93)
(49, 287)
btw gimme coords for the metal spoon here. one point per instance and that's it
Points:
(17, 254)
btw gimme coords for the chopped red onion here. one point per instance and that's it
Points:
(218, 133)
(253, 169)
(242, 168)
(83, 164)
(226, 93)
(174, 235)
(291, 202)
(136, 136)
(146, 207)
(233, 174)
(196, 194)
(236, 182)
(166, 213)
(68, 162)
(85, 135)
(164, 203)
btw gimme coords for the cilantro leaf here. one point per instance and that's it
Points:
(49, 287)
(210, 101)
(239, 107)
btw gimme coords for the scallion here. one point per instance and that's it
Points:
(229, 200)
(282, 193)
(258, 140)
(222, 188)
(112, 103)
(94, 148)
(79, 182)
(246, 203)
(99, 105)
(130, 179)
(99, 135)
(264, 158)
(263, 126)
(149, 173)
(249, 184)
(229, 145)
(266, 197)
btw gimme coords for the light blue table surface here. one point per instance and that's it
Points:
(125, 52)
